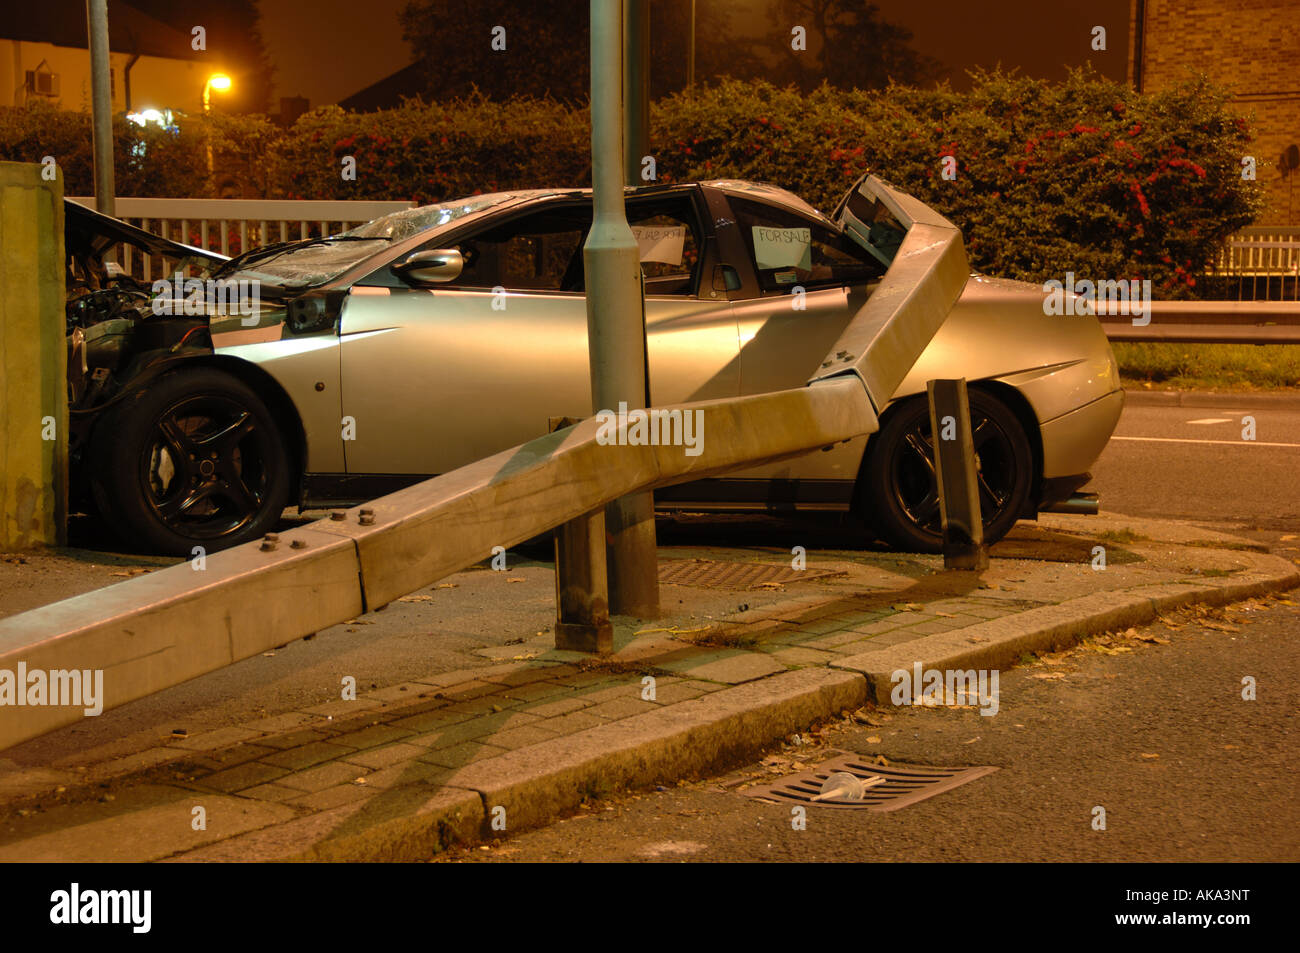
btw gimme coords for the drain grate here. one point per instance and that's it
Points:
(903, 785)
(719, 574)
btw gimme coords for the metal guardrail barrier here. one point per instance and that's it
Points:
(1211, 322)
(156, 631)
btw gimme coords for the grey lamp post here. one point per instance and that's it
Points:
(616, 315)
(101, 101)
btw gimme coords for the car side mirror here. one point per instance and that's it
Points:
(430, 266)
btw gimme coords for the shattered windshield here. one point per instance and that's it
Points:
(404, 224)
(315, 261)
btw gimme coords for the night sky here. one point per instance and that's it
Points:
(326, 49)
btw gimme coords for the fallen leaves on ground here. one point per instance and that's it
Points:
(1220, 626)
(1153, 639)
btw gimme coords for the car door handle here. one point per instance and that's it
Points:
(725, 278)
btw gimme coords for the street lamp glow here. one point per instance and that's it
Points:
(218, 81)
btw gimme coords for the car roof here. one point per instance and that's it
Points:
(742, 187)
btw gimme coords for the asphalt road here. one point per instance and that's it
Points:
(1192, 463)
(1156, 734)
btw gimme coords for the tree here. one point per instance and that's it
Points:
(848, 46)
(500, 47)
(234, 43)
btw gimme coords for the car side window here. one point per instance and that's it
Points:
(668, 238)
(537, 252)
(788, 249)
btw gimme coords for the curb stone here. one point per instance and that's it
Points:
(1047, 628)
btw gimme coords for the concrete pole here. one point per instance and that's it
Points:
(616, 315)
(101, 100)
(636, 87)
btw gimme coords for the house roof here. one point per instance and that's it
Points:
(387, 93)
(63, 23)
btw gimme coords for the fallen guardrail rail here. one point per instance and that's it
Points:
(1210, 322)
(156, 631)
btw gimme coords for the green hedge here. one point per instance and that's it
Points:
(1083, 175)
(428, 153)
(146, 161)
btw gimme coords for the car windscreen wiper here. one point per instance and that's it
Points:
(279, 248)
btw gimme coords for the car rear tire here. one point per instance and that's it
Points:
(193, 458)
(898, 492)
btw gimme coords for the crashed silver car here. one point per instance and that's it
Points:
(436, 336)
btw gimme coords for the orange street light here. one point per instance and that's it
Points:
(218, 81)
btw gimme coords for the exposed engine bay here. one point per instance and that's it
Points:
(113, 332)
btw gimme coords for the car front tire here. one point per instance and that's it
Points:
(192, 459)
(898, 491)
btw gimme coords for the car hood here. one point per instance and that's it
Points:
(87, 231)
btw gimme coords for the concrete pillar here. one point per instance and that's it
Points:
(33, 359)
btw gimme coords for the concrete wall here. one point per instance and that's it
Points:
(33, 362)
(1252, 46)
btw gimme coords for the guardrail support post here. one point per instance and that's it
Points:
(581, 580)
(954, 466)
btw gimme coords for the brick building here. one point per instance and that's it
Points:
(1251, 46)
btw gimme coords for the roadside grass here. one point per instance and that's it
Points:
(1219, 367)
(1120, 536)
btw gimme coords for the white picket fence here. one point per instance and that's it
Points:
(1259, 253)
(231, 226)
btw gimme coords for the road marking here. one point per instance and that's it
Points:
(1212, 420)
(1226, 443)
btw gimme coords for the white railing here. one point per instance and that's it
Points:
(1264, 259)
(232, 226)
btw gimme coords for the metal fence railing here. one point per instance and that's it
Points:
(1265, 260)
